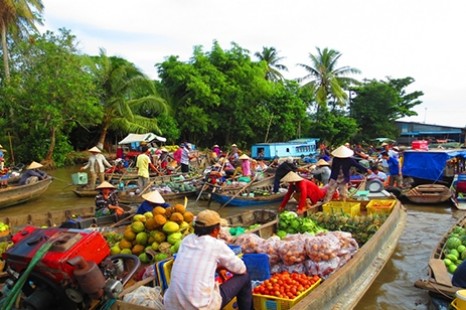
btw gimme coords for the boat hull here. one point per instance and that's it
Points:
(429, 194)
(247, 201)
(17, 194)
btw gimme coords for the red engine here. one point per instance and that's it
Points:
(75, 270)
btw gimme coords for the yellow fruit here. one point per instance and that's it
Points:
(141, 238)
(137, 226)
(137, 249)
(160, 220)
(188, 216)
(129, 235)
(125, 244)
(126, 251)
(139, 217)
(170, 227)
(151, 224)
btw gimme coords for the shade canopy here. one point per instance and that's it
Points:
(146, 137)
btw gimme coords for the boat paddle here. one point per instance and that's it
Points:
(237, 193)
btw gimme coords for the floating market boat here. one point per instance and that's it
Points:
(458, 191)
(428, 194)
(16, 194)
(438, 281)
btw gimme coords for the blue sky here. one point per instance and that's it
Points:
(421, 39)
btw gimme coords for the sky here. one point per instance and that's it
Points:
(425, 40)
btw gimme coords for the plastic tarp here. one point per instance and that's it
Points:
(147, 137)
(429, 165)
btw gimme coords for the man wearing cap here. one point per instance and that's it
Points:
(151, 200)
(322, 171)
(200, 256)
(340, 176)
(304, 189)
(32, 174)
(96, 164)
(106, 201)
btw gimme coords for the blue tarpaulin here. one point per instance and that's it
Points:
(429, 165)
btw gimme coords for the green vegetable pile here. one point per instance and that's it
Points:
(290, 223)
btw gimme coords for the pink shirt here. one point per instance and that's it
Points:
(246, 167)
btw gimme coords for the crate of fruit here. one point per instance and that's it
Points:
(380, 206)
(351, 208)
(293, 289)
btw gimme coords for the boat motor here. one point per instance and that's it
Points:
(76, 271)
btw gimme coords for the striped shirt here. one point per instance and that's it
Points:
(192, 283)
(185, 156)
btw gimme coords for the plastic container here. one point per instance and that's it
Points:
(264, 302)
(420, 145)
(236, 248)
(459, 302)
(351, 208)
(258, 266)
(79, 178)
(380, 206)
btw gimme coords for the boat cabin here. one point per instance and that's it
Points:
(130, 146)
(294, 148)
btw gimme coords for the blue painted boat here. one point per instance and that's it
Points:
(248, 200)
(306, 147)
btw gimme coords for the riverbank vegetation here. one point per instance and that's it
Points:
(55, 101)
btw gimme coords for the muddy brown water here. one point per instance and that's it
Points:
(393, 288)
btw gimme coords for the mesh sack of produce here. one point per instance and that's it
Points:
(270, 247)
(249, 242)
(292, 252)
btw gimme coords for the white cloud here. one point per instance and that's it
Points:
(395, 38)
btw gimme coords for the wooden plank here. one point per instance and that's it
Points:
(440, 271)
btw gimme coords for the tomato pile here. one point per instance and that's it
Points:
(286, 285)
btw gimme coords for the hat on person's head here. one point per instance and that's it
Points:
(105, 184)
(34, 165)
(216, 145)
(164, 150)
(322, 162)
(342, 152)
(289, 159)
(188, 145)
(217, 165)
(207, 218)
(2, 148)
(153, 197)
(291, 177)
(244, 156)
(233, 145)
(95, 149)
(347, 144)
(223, 160)
(384, 144)
(396, 149)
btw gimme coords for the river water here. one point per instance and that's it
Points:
(394, 287)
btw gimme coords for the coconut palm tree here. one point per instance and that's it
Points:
(126, 96)
(270, 56)
(17, 18)
(327, 78)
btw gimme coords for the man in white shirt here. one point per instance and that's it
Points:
(193, 284)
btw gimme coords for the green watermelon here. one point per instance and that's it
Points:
(453, 242)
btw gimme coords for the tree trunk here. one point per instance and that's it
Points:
(48, 161)
(103, 135)
(5, 54)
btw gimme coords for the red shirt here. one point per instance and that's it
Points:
(306, 189)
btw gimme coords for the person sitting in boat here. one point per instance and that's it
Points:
(118, 168)
(322, 171)
(228, 168)
(377, 174)
(151, 200)
(196, 288)
(301, 189)
(342, 163)
(32, 174)
(106, 201)
(245, 166)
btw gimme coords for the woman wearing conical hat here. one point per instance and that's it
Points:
(152, 199)
(340, 176)
(303, 189)
(32, 174)
(106, 201)
(96, 164)
(322, 171)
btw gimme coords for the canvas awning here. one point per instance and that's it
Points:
(147, 137)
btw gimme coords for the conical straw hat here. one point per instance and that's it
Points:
(343, 152)
(34, 165)
(95, 149)
(322, 162)
(291, 177)
(153, 197)
(244, 156)
(105, 184)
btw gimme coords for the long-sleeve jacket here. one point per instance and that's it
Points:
(306, 189)
(345, 165)
(98, 159)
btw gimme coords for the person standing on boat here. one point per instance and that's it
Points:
(340, 177)
(282, 170)
(106, 201)
(143, 164)
(196, 288)
(322, 171)
(302, 190)
(393, 169)
(151, 200)
(186, 157)
(32, 174)
(96, 164)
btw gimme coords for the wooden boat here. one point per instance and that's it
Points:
(130, 198)
(16, 194)
(267, 219)
(76, 217)
(457, 198)
(429, 194)
(346, 286)
(438, 281)
(82, 191)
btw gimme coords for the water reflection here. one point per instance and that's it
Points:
(393, 289)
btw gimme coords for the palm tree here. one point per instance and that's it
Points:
(17, 17)
(126, 96)
(327, 79)
(270, 56)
